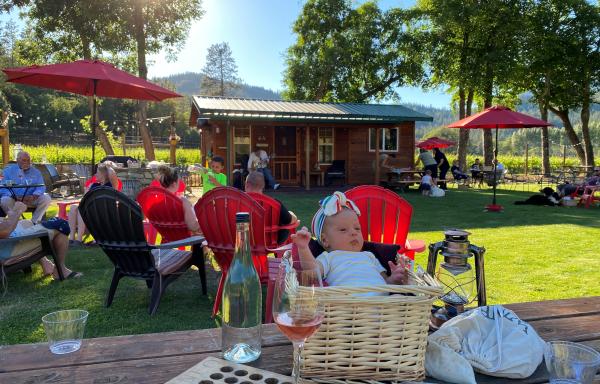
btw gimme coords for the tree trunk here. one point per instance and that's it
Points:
(463, 142)
(488, 95)
(100, 134)
(545, 141)
(140, 37)
(563, 115)
(585, 126)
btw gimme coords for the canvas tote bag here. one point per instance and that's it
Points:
(491, 340)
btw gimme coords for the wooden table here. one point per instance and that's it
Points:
(404, 178)
(320, 176)
(157, 358)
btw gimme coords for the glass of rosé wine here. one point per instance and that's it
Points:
(296, 307)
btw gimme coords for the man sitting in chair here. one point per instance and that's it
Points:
(255, 182)
(23, 173)
(12, 226)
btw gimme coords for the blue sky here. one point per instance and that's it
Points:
(258, 32)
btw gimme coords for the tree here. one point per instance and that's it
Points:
(352, 55)
(156, 25)
(67, 30)
(220, 72)
(472, 48)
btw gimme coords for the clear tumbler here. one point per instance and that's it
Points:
(571, 362)
(64, 330)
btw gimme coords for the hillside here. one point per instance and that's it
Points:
(189, 84)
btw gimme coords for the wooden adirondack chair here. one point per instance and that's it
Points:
(164, 211)
(216, 214)
(385, 217)
(115, 221)
(272, 211)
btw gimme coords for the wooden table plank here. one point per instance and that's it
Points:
(539, 310)
(147, 371)
(156, 358)
(124, 348)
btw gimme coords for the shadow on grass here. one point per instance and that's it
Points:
(460, 209)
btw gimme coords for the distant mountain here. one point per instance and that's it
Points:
(188, 83)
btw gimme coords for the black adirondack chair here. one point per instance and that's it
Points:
(337, 170)
(115, 222)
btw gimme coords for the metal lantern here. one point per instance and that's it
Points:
(462, 280)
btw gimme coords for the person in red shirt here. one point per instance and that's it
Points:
(162, 170)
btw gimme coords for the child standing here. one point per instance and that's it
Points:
(343, 262)
(426, 183)
(214, 178)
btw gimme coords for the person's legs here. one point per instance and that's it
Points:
(7, 203)
(443, 172)
(269, 179)
(81, 228)
(61, 246)
(72, 219)
(41, 206)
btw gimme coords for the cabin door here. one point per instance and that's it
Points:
(284, 159)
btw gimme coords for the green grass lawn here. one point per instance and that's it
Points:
(533, 253)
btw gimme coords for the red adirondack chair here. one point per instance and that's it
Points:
(385, 218)
(164, 211)
(272, 211)
(216, 214)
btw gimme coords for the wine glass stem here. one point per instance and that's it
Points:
(298, 347)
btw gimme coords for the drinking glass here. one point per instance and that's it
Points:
(28, 181)
(64, 330)
(571, 362)
(64, 191)
(296, 307)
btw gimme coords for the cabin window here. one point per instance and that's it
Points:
(241, 142)
(388, 139)
(325, 145)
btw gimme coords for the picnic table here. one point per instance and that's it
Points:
(404, 178)
(159, 357)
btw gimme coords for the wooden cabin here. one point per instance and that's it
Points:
(301, 135)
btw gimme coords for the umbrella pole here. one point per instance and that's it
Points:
(94, 123)
(495, 164)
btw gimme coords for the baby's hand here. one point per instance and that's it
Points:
(399, 274)
(301, 238)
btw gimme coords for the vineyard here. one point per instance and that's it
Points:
(57, 154)
(80, 155)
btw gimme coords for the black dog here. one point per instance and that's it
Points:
(549, 197)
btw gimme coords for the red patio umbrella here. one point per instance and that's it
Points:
(89, 78)
(435, 142)
(498, 117)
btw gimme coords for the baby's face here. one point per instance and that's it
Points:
(342, 232)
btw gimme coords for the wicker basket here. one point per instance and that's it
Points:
(372, 338)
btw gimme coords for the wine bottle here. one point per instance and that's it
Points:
(241, 301)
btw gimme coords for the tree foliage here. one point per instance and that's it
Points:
(220, 72)
(350, 54)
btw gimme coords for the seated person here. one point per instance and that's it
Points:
(426, 183)
(169, 180)
(23, 173)
(105, 176)
(343, 262)
(499, 167)
(12, 226)
(569, 188)
(476, 169)
(160, 171)
(457, 173)
(255, 182)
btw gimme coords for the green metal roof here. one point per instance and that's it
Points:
(230, 108)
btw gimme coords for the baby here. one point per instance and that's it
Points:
(343, 262)
(426, 183)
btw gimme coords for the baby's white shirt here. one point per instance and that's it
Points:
(351, 268)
